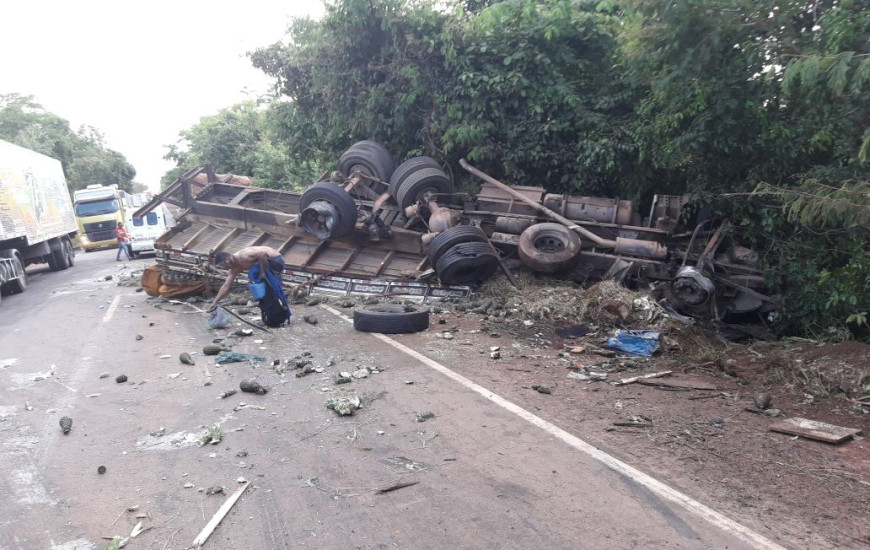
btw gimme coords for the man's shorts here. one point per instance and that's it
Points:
(276, 265)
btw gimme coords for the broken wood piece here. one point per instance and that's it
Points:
(218, 516)
(400, 485)
(634, 379)
(813, 429)
(138, 530)
(633, 424)
(706, 396)
(677, 383)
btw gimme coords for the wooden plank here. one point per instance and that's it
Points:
(219, 515)
(677, 383)
(189, 242)
(634, 379)
(813, 429)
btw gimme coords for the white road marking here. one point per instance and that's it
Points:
(112, 307)
(662, 490)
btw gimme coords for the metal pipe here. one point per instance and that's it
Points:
(607, 243)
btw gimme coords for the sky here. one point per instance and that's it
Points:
(140, 72)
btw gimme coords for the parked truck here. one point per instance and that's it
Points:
(98, 210)
(37, 222)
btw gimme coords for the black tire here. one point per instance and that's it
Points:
(390, 319)
(445, 240)
(57, 259)
(19, 283)
(467, 264)
(70, 252)
(368, 157)
(339, 199)
(549, 247)
(420, 182)
(407, 168)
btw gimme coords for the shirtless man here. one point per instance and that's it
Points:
(243, 260)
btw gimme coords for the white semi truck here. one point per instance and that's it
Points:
(37, 221)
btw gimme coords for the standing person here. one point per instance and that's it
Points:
(264, 264)
(123, 237)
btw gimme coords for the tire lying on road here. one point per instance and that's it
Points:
(467, 264)
(549, 247)
(390, 319)
(446, 240)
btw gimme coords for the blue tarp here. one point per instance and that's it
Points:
(236, 357)
(635, 342)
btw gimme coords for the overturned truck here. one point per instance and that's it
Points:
(372, 228)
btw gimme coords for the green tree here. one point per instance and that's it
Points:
(83, 154)
(238, 140)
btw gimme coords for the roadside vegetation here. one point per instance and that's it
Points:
(82, 153)
(758, 108)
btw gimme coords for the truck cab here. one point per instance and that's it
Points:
(98, 210)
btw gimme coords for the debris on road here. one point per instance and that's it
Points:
(39, 376)
(252, 386)
(766, 412)
(186, 359)
(344, 405)
(212, 349)
(306, 369)
(214, 490)
(677, 384)
(104, 375)
(635, 422)
(395, 486)
(219, 515)
(542, 389)
(635, 342)
(65, 424)
(343, 378)
(121, 378)
(588, 376)
(101, 470)
(216, 319)
(634, 379)
(212, 436)
(227, 393)
(812, 429)
(236, 357)
(423, 416)
(762, 401)
(361, 373)
(310, 319)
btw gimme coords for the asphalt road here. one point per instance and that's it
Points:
(479, 474)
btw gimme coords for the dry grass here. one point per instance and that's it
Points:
(553, 301)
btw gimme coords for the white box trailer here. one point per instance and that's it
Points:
(37, 221)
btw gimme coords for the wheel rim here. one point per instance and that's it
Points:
(319, 219)
(549, 243)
